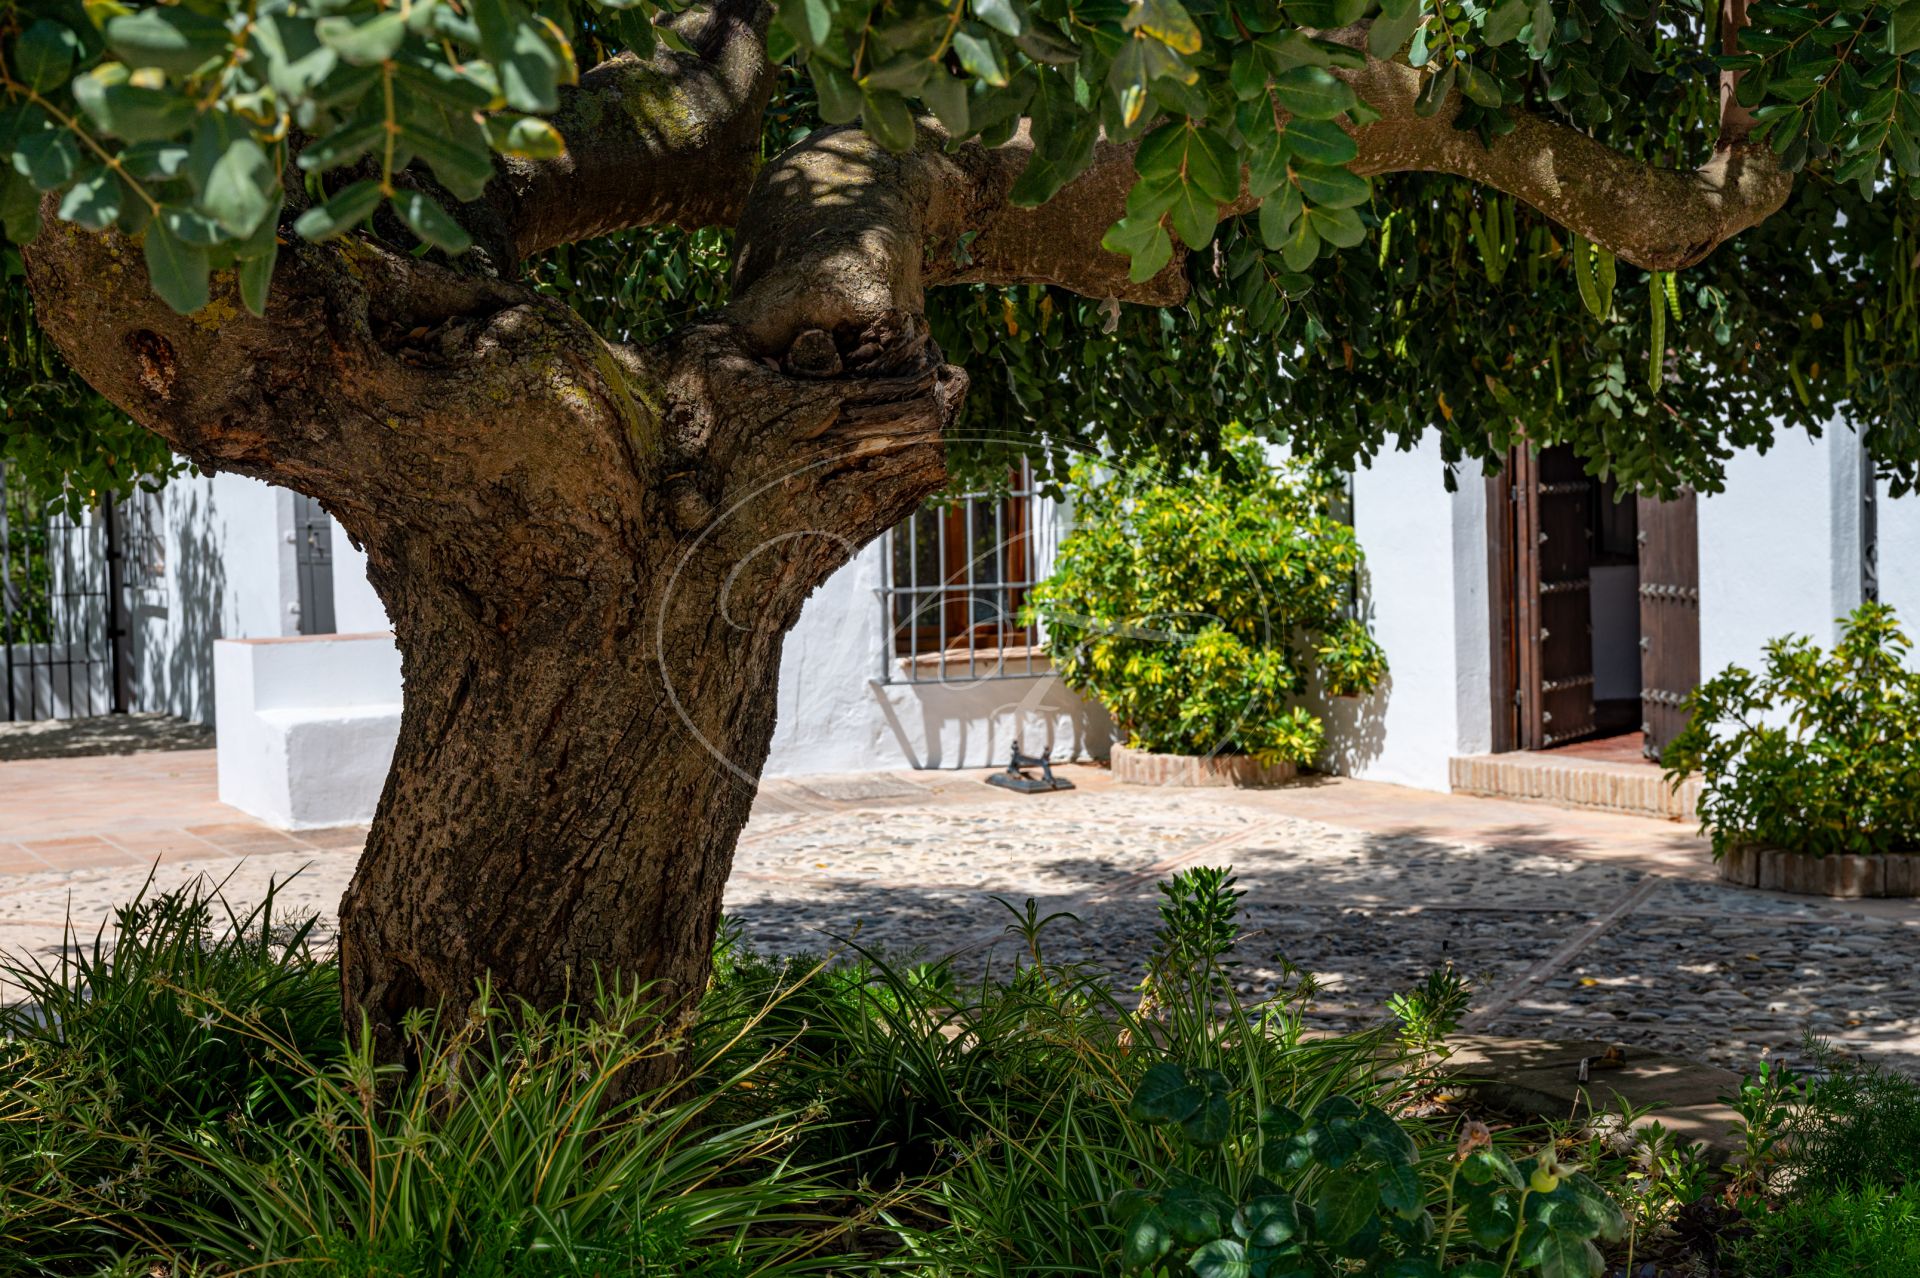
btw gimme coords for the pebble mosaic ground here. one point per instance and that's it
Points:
(1591, 942)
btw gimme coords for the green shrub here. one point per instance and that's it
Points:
(1869, 1232)
(1820, 753)
(1856, 1124)
(113, 1051)
(863, 1117)
(1195, 608)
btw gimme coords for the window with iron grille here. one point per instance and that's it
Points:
(958, 575)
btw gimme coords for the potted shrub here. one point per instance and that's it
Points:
(1196, 607)
(1810, 770)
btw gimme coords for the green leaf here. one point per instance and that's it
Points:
(364, 41)
(1299, 253)
(998, 14)
(1478, 85)
(1330, 187)
(1269, 1220)
(1165, 1095)
(1558, 1253)
(49, 158)
(1166, 21)
(342, 146)
(1326, 15)
(93, 201)
(173, 38)
(1193, 1216)
(947, 97)
(1214, 1121)
(44, 55)
(1388, 35)
(1221, 1258)
(1343, 1204)
(888, 119)
(839, 99)
(1400, 1190)
(1504, 20)
(1541, 38)
(240, 187)
(1278, 213)
(346, 210)
(130, 113)
(525, 137)
(463, 170)
(256, 278)
(433, 224)
(1903, 29)
(1434, 90)
(980, 56)
(19, 208)
(1601, 1209)
(1313, 93)
(296, 60)
(530, 73)
(1147, 1239)
(177, 270)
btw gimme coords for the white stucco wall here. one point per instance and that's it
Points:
(836, 714)
(228, 572)
(1899, 542)
(1779, 548)
(1425, 594)
(357, 610)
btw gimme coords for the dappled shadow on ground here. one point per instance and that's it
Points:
(101, 734)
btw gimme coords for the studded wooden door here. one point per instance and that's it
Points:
(1552, 558)
(1669, 616)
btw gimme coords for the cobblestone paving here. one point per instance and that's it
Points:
(1556, 946)
(1564, 933)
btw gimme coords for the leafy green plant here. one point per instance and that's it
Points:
(1195, 607)
(1351, 661)
(1345, 1184)
(1820, 753)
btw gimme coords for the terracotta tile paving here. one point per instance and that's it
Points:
(132, 810)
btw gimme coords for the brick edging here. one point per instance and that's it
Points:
(1144, 767)
(1637, 788)
(1774, 869)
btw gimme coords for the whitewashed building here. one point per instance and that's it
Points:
(1519, 612)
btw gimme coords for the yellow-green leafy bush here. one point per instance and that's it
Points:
(1196, 608)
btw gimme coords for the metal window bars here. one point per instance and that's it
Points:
(958, 573)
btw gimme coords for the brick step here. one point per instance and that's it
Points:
(1639, 789)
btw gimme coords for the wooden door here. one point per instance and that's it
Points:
(1669, 616)
(1553, 614)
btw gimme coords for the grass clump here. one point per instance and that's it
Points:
(181, 1101)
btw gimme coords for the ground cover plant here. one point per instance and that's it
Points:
(867, 1117)
(1199, 607)
(1818, 752)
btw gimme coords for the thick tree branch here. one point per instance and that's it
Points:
(670, 139)
(1658, 219)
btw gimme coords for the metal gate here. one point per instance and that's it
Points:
(313, 559)
(62, 610)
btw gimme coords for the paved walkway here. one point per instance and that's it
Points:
(1571, 924)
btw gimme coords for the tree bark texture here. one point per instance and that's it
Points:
(591, 551)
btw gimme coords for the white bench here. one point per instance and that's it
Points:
(306, 726)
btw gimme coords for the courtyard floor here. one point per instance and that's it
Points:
(1571, 924)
